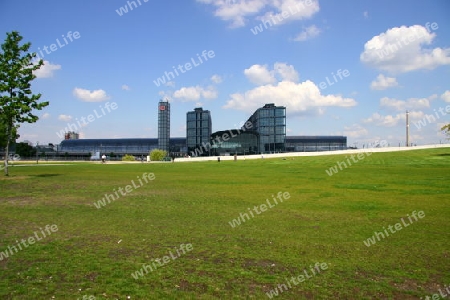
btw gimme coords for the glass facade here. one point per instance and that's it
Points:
(198, 129)
(234, 141)
(239, 141)
(269, 122)
(108, 146)
(120, 147)
(264, 132)
(315, 143)
(164, 125)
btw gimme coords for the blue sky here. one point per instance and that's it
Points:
(340, 67)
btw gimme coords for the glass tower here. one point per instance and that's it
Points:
(198, 130)
(164, 125)
(270, 123)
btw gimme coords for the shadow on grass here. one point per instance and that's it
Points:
(46, 175)
(442, 154)
(371, 187)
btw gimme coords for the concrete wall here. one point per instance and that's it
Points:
(295, 154)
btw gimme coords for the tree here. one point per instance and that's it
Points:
(446, 129)
(25, 150)
(128, 157)
(157, 154)
(15, 136)
(17, 101)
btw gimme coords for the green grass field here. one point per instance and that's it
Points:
(94, 252)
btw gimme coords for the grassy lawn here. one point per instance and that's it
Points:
(94, 252)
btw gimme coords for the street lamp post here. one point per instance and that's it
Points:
(37, 152)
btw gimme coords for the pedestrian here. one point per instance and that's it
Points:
(103, 158)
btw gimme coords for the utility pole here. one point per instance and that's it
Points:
(37, 152)
(407, 128)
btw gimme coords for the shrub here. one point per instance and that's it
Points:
(128, 157)
(157, 154)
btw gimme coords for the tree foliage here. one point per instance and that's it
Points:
(128, 157)
(446, 129)
(3, 138)
(17, 101)
(157, 154)
(25, 150)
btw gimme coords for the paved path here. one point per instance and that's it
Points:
(296, 154)
(231, 157)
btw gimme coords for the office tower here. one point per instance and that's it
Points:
(269, 122)
(71, 135)
(164, 125)
(198, 131)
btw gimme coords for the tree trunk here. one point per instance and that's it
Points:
(8, 139)
(7, 155)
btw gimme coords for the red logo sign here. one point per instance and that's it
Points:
(162, 107)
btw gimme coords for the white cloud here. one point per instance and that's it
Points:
(170, 83)
(415, 115)
(355, 131)
(90, 96)
(385, 121)
(307, 33)
(366, 14)
(299, 98)
(280, 85)
(382, 82)
(392, 120)
(446, 96)
(409, 104)
(290, 10)
(45, 116)
(216, 78)
(46, 70)
(260, 74)
(125, 87)
(402, 49)
(65, 118)
(237, 12)
(194, 93)
(286, 72)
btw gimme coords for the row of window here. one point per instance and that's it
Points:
(272, 139)
(315, 144)
(197, 140)
(272, 130)
(314, 148)
(109, 149)
(198, 116)
(198, 124)
(198, 131)
(271, 121)
(277, 112)
(270, 145)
